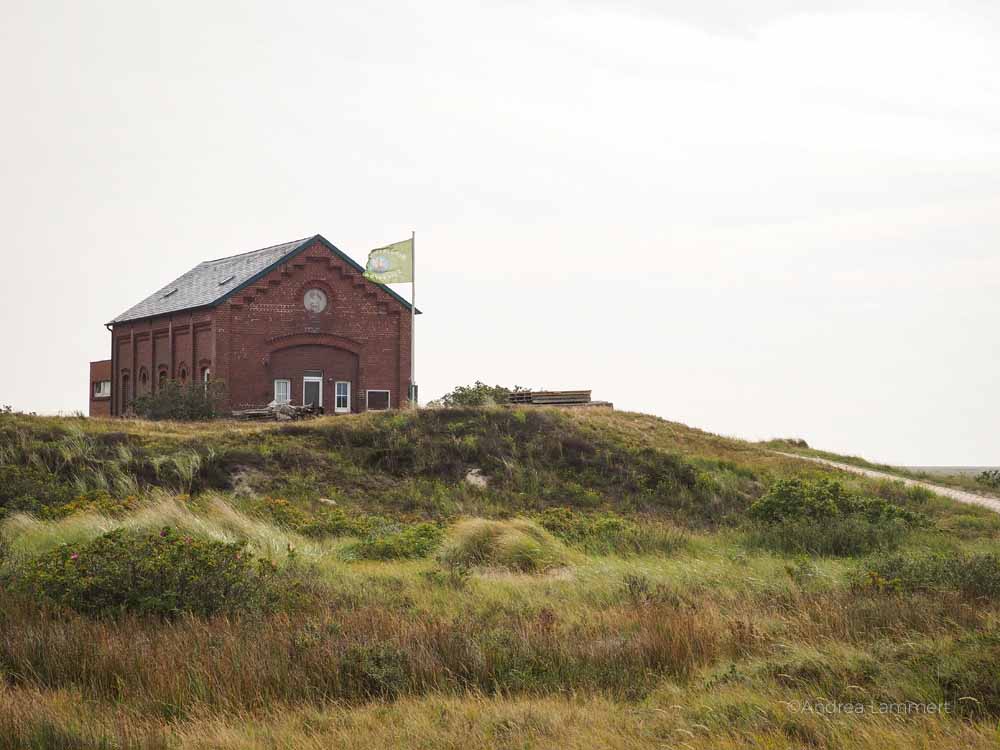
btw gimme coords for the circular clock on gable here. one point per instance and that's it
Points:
(315, 300)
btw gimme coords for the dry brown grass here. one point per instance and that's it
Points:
(354, 654)
(65, 720)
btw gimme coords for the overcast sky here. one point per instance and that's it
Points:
(767, 222)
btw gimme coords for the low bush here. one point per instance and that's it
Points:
(518, 544)
(30, 488)
(93, 501)
(329, 522)
(990, 478)
(417, 540)
(972, 575)
(186, 402)
(794, 499)
(822, 518)
(477, 394)
(162, 573)
(610, 533)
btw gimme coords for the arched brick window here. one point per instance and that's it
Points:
(126, 394)
(161, 380)
(143, 380)
(182, 375)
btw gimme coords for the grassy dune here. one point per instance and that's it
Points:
(612, 586)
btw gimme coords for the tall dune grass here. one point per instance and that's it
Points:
(219, 520)
(518, 544)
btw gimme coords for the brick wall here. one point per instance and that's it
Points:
(172, 344)
(100, 406)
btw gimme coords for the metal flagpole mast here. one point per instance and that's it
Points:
(413, 318)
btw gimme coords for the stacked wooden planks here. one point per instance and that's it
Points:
(550, 398)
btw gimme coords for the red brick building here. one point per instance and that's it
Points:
(294, 322)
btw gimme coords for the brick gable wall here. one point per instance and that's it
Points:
(265, 332)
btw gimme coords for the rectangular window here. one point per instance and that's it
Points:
(343, 393)
(102, 389)
(282, 391)
(377, 400)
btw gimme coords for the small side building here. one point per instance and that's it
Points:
(100, 388)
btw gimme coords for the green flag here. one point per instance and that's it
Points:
(392, 264)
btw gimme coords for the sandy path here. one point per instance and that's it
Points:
(961, 495)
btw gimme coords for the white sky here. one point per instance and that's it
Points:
(773, 221)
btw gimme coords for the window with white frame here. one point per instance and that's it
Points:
(343, 396)
(377, 400)
(282, 391)
(102, 389)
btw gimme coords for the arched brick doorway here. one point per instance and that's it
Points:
(307, 369)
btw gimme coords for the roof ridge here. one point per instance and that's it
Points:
(251, 252)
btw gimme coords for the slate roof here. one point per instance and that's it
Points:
(211, 282)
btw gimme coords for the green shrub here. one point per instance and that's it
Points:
(328, 522)
(990, 478)
(417, 540)
(822, 518)
(477, 394)
(93, 501)
(609, 533)
(188, 402)
(163, 573)
(29, 488)
(793, 499)
(972, 575)
(518, 544)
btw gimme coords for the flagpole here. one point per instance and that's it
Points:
(413, 318)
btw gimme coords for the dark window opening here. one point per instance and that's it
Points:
(378, 400)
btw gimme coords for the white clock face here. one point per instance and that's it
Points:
(315, 300)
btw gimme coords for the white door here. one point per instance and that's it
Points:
(342, 396)
(312, 391)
